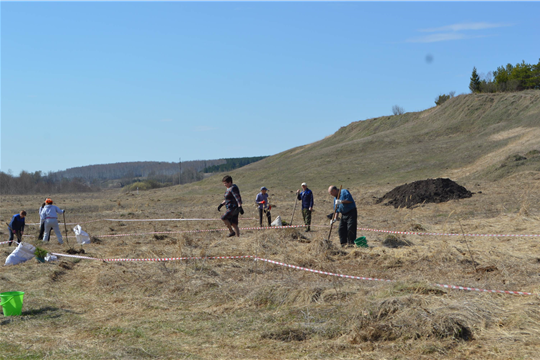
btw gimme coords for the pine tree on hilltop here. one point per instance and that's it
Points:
(474, 85)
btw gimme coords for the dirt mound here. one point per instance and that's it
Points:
(425, 191)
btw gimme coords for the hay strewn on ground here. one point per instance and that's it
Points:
(229, 309)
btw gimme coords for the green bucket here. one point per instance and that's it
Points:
(361, 242)
(12, 302)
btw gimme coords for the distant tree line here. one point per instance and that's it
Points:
(506, 78)
(233, 163)
(37, 183)
(135, 169)
(131, 175)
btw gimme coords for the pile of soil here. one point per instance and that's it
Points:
(425, 191)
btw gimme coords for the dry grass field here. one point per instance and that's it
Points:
(245, 309)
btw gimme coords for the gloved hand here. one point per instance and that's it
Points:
(269, 207)
(262, 202)
(338, 202)
(219, 207)
(241, 210)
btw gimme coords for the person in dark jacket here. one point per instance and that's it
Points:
(233, 204)
(16, 227)
(349, 215)
(307, 204)
(41, 223)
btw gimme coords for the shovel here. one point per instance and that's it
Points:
(65, 227)
(296, 201)
(333, 216)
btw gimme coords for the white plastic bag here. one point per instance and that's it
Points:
(277, 222)
(22, 253)
(50, 257)
(82, 237)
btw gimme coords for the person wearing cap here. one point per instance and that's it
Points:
(16, 227)
(49, 215)
(262, 204)
(307, 204)
(347, 207)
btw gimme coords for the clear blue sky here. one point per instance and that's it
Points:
(97, 82)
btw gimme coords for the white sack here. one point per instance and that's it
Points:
(277, 222)
(82, 237)
(50, 257)
(22, 253)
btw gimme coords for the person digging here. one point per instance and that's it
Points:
(16, 227)
(233, 204)
(347, 207)
(49, 215)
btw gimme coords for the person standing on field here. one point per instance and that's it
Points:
(307, 204)
(347, 207)
(262, 205)
(16, 227)
(233, 204)
(41, 223)
(49, 214)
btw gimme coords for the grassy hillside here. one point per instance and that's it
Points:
(245, 309)
(471, 133)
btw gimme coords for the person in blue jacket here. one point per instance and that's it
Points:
(347, 208)
(307, 204)
(16, 227)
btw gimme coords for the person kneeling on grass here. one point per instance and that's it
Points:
(16, 227)
(233, 204)
(49, 215)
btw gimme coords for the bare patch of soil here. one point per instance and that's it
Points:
(75, 252)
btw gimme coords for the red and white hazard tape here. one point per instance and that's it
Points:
(439, 234)
(260, 228)
(158, 259)
(256, 258)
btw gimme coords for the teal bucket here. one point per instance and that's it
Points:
(11, 302)
(361, 242)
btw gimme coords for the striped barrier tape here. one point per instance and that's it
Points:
(260, 228)
(158, 259)
(256, 258)
(438, 234)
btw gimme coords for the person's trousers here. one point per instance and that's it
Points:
(267, 215)
(52, 224)
(41, 229)
(17, 233)
(347, 227)
(306, 214)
